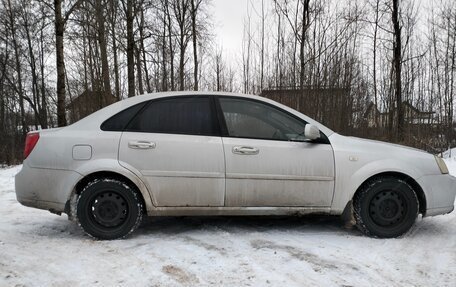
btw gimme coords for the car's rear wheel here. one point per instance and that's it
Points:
(109, 209)
(385, 207)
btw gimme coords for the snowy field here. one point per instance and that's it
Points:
(38, 248)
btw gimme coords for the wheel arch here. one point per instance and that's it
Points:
(70, 206)
(410, 180)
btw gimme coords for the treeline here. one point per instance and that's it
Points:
(383, 52)
(396, 55)
(51, 51)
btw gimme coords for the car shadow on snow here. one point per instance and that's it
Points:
(320, 225)
(310, 224)
(58, 228)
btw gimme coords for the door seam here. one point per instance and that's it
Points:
(224, 162)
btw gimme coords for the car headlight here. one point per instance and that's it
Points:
(441, 164)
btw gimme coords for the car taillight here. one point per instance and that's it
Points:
(30, 142)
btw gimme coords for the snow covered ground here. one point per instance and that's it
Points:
(38, 248)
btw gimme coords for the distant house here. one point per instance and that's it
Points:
(330, 106)
(87, 103)
(412, 116)
(374, 117)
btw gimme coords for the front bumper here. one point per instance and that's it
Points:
(440, 192)
(47, 189)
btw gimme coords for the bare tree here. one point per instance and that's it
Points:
(304, 26)
(20, 89)
(181, 10)
(100, 16)
(170, 42)
(61, 18)
(130, 17)
(113, 19)
(194, 12)
(397, 68)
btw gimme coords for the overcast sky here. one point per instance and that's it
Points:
(228, 18)
(228, 21)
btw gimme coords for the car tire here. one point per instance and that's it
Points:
(385, 207)
(109, 209)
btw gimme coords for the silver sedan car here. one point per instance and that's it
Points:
(195, 153)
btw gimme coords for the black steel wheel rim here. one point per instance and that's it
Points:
(109, 209)
(387, 208)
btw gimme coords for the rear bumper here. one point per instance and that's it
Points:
(54, 207)
(440, 191)
(47, 189)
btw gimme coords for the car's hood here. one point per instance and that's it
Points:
(385, 145)
(385, 156)
(376, 149)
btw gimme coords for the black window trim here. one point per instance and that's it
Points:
(102, 126)
(224, 129)
(217, 117)
(214, 117)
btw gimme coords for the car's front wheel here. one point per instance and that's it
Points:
(109, 209)
(385, 207)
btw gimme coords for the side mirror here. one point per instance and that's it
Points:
(311, 132)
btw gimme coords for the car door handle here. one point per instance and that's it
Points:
(141, 144)
(245, 150)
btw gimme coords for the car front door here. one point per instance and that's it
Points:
(268, 161)
(175, 144)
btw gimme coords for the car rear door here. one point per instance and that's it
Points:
(175, 143)
(268, 163)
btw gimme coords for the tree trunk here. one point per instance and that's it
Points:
(181, 65)
(130, 50)
(397, 59)
(3, 99)
(181, 8)
(195, 43)
(218, 69)
(20, 89)
(171, 46)
(139, 71)
(262, 47)
(34, 74)
(60, 60)
(44, 121)
(107, 93)
(114, 50)
(278, 79)
(374, 72)
(142, 54)
(164, 56)
(305, 25)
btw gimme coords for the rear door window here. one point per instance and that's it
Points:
(191, 115)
